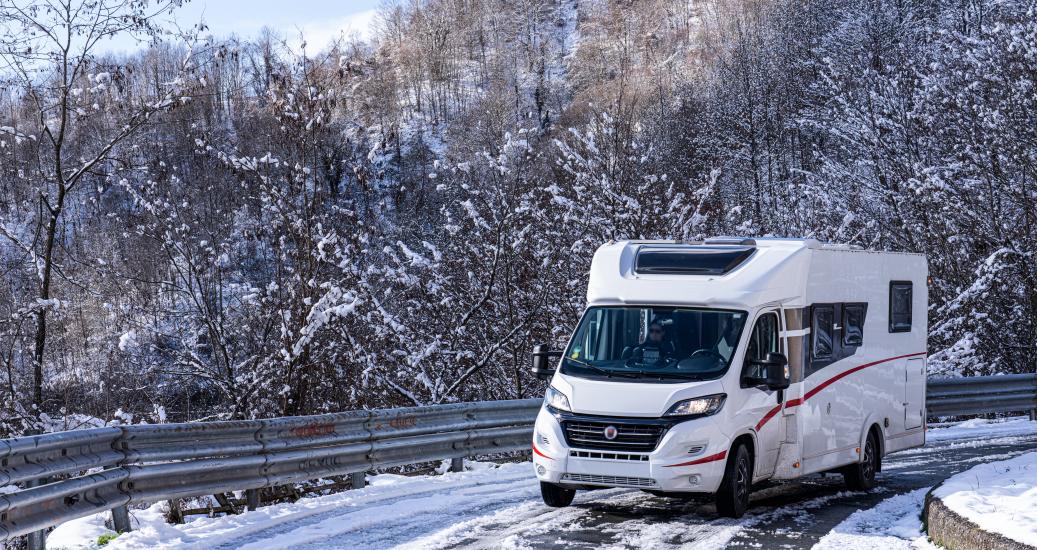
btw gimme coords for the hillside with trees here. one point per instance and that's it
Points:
(231, 227)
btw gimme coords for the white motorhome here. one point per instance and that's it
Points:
(706, 367)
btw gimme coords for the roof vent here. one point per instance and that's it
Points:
(691, 260)
(842, 246)
(735, 241)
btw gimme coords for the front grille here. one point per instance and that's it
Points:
(608, 456)
(629, 437)
(610, 480)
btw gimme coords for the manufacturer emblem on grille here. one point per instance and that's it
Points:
(610, 432)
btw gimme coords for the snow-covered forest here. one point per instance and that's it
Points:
(234, 227)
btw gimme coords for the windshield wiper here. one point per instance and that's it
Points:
(606, 372)
(663, 374)
(682, 376)
(637, 373)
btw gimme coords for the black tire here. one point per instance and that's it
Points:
(861, 476)
(555, 496)
(732, 498)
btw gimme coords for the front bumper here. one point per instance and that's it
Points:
(690, 458)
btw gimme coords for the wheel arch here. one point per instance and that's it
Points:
(748, 438)
(873, 425)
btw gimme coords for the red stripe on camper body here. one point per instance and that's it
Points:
(770, 414)
(537, 452)
(711, 458)
(799, 401)
(844, 374)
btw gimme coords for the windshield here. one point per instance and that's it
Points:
(654, 343)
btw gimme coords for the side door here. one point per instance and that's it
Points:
(914, 393)
(764, 404)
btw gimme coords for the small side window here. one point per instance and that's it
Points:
(853, 324)
(824, 319)
(763, 340)
(900, 306)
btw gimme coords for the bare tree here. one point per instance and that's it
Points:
(78, 111)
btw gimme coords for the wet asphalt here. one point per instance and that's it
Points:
(793, 515)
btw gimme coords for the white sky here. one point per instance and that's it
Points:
(320, 21)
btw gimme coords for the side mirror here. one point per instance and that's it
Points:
(542, 355)
(777, 371)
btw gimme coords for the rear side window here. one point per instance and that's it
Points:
(900, 306)
(822, 329)
(853, 324)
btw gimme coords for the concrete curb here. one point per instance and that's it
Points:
(948, 529)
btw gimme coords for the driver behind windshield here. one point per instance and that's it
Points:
(655, 348)
(728, 340)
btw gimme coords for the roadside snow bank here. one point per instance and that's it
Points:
(999, 497)
(979, 427)
(894, 524)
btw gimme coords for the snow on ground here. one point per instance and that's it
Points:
(82, 532)
(970, 433)
(999, 497)
(980, 428)
(892, 525)
(387, 496)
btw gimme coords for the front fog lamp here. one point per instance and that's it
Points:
(556, 399)
(700, 406)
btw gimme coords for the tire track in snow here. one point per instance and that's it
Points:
(409, 514)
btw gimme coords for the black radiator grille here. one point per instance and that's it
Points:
(584, 434)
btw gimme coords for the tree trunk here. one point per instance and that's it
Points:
(41, 313)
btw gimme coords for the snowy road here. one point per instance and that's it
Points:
(501, 507)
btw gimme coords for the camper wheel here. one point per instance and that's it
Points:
(861, 476)
(732, 498)
(555, 496)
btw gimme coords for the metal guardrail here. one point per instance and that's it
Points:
(150, 463)
(981, 394)
(108, 468)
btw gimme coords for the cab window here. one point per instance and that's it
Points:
(762, 340)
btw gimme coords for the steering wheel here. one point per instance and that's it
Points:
(661, 363)
(708, 351)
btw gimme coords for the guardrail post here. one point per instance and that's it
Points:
(1033, 412)
(121, 520)
(252, 499)
(457, 464)
(120, 516)
(176, 515)
(37, 540)
(358, 480)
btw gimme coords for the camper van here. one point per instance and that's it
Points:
(702, 368)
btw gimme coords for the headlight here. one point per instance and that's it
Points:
(700, 406)
(556, 399)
